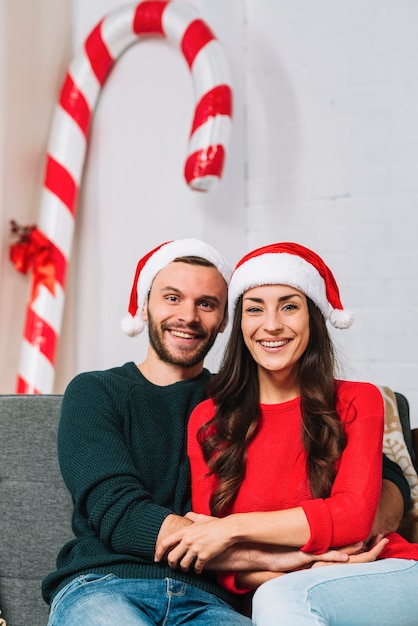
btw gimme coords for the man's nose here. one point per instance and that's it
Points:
(188, 312)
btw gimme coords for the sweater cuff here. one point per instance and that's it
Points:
(227, 581)
(320, 525)
(150, 523)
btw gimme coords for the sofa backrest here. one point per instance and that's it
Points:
(35, 506)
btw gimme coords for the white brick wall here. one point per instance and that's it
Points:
(332, 162)
(324, 151)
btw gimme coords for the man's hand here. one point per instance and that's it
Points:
(198, 547)
(355, 553)
(196, 544)
(170, 525)
(265, 557)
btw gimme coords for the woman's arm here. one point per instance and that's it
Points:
(253, 579)
(316, 524)
(201, 542)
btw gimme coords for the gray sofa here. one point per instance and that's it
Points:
(35, 508)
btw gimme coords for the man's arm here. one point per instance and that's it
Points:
(390, 510)
(261, 557)
(393, 502)
(246, 556)
(394, 499)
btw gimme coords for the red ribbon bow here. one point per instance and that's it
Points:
(33, 250)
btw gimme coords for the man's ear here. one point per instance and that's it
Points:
(224, 323)
(144, 312)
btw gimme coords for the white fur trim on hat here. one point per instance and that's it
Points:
(133, 324)
(287, 269)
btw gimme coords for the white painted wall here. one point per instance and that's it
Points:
(135, 196)
(35, 48)
(324, 151)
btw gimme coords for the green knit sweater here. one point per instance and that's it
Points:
(122, 453)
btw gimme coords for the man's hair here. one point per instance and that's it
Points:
(193, 260)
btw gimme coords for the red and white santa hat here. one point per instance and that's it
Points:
(294, 265)
(153, 262)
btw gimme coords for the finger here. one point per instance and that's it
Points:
(198, 517)
(353, 548)
(187, 561)
(377, 549)
(161, 551)
(375, 541)
(332, 555)
(370, 555)
(199, 566)
(174, 557)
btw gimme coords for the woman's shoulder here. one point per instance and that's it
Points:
(358, 391)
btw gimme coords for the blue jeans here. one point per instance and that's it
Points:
(383, 593)
(110, 601)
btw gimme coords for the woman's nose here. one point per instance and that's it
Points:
(273, 322)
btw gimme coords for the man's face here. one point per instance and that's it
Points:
(185, 312)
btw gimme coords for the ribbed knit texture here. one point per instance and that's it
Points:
(276, 476)
(121, 447)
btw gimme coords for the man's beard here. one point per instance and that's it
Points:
(183, 358)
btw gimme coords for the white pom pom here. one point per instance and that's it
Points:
(341, 319)
(132, 326)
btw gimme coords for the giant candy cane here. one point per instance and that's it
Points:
(47, 248)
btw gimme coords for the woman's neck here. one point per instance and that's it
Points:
(277, 387)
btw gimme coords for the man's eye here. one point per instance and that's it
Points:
(206, 305)
(172, 298)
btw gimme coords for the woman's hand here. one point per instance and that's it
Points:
(196, 544)
(364, 554)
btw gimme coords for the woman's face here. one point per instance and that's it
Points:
(275, 326)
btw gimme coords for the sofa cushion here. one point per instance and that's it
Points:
(397, 445)
(35, 507)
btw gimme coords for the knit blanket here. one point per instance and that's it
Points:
(395, 448)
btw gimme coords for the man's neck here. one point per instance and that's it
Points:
(162, 374)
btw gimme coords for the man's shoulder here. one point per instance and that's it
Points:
(108, 377)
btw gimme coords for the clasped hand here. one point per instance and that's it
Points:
(196, 544)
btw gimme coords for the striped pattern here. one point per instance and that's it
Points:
(208, 141)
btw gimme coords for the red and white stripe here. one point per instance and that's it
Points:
(208, 141)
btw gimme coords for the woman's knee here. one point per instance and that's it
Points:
(269, 602)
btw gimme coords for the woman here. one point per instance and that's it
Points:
(285, 454)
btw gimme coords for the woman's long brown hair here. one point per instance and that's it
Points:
(235, 391)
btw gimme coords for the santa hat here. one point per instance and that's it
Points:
(153, 262)
(294, 265)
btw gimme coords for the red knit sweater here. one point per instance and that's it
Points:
(276, 476)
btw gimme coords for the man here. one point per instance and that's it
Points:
(122, 455)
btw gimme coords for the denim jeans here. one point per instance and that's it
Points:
(110, 601)
(383, 593)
